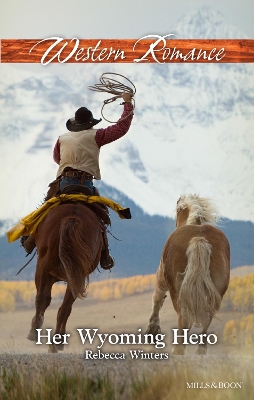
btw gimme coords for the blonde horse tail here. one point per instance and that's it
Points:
(75, 256)
(199, 299)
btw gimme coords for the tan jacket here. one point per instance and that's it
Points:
(79, 150)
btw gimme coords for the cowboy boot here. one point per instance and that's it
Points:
(28, 243)
(106, 261)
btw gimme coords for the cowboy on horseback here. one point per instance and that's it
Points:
(77, 154)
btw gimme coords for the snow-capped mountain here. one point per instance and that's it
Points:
(192, 131)
(206, 23)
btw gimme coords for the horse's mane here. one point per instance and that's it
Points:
(200, 208)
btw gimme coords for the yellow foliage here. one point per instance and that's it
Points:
(7, 301)
(240, 331)
(240, 294)
(117, 288)
(117, 293)
(230, 332)
(240, 297)
(23, 292)
(58, 290)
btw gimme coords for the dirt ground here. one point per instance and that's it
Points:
(125, 315)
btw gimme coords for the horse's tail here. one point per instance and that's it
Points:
(199, 299)
(75, 256)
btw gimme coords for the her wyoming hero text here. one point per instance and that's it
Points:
(88, 335)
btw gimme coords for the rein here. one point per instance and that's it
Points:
(26, 263)
(110, 233)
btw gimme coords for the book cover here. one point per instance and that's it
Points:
(191, 72)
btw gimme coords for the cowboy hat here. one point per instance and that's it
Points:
(83, 120)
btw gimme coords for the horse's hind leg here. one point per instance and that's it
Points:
(44, 283)
(62, 317)
(159, 296)
(202, 347)
(179, 348)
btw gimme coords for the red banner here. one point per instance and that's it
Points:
(150, 49)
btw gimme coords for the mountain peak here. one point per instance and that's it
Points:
(206, 23)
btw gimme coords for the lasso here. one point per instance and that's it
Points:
(112, 86)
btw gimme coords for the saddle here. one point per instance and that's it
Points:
(54, 189)
(100, 209)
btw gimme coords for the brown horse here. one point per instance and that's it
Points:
(194, 268)
(69, 243)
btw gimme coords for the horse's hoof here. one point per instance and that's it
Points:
(178, 351)
(59, 347)
(153, 329)
(33, 336)
(52, 348)
(201, 350)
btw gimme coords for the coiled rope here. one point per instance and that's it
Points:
(110, 85)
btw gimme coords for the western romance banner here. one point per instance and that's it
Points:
(148, 49)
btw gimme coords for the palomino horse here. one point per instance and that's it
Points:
(69, 243)
(194, 268)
